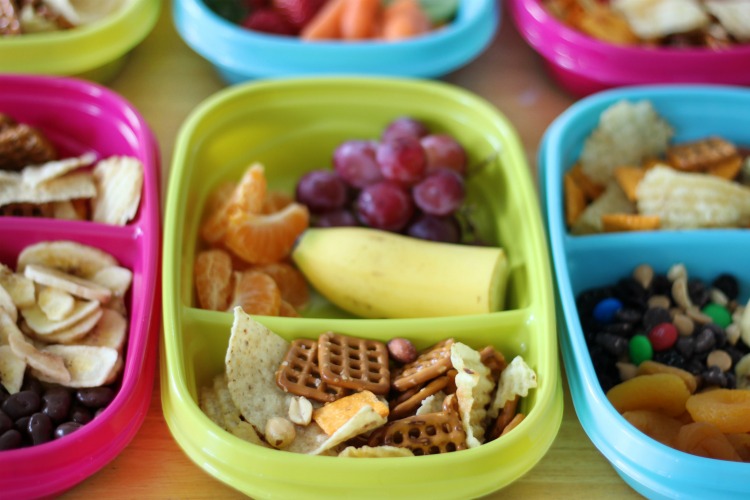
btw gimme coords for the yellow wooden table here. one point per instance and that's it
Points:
(165, 80)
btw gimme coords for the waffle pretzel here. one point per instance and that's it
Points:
(299, 373)
(428, 365)
(353, 363)
(427, 434)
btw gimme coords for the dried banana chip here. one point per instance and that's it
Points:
(733, 16)
(116, 278)
(55, 303)
(12, 369)
(110, 331)
(88, 366)
(75, 332)
(691, 200)
(119, 181)
(66, 256)
(20, 288)
(49, 365)
(42, 325)
(74, 285)
(7, 304)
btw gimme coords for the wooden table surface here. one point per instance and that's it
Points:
(165, 80)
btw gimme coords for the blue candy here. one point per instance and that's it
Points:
(605, 311)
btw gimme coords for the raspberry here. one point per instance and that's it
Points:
(298, 12)
(268, 20)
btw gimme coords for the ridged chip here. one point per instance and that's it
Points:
(651, 19)
(693, 200)
(627, 133)
(119, 182)
(733, 16)
(66, 187)
(35, 175)
(474, 386)
(516, 380)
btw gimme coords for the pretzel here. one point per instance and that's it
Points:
(299, 373)
(353, 363)
(430, 364)
(427, 434)
(411, 399)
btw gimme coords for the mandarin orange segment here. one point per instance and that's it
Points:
(662, 392)
(706, 440)
(727, 409)
(287, 310)
(247, 197)
(655, 425)
(275, 201)
(256, 293)
(213, 279)
(263, 239)
(291, 282)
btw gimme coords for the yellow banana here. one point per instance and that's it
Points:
(378, 274)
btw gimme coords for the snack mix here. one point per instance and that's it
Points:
(346, 396)
(631, 176)
(672, 353)
(713, 24)
(24, 17)
(63, 330)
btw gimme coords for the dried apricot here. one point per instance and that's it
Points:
(706, 440)
(741, 443)
(256, 293)
(661, 392)
(650, 367)
(291, 282)
(213, 279)
(655, 425)
(727, 409)
(262, 239)
(247, 197)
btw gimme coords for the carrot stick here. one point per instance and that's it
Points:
(359, 19)
(404, 19)
(326, 24)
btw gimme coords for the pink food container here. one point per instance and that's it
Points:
(583, 65)
(79, 116)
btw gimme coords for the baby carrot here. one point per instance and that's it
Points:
(359, 19)
(404, 19)
(327, 22)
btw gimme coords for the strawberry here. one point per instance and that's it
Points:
(268, 20)
(298, 12)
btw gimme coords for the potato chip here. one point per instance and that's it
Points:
(110, 331)
(651, 20)
(49, 365)
(88, 366)
(67, 187)
(55, 303)
(41, 325)
(613, 200)
(693, 200)
(365, 420)
(20, 288)
(334, 415)
(474, 386)
(432, 403)
(34, 175)
(119, 182)
(12, 369)
(627, 134)
(375, 452)
(253, 355)
(75, 285)
(516, 380)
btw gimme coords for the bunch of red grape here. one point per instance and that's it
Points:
(411, 181)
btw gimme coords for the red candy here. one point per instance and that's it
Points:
(663, 336)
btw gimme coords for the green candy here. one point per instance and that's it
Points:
(719, 314)
(640, 349)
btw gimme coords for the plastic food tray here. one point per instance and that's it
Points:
(583, 65)
(79, 116)
(239, 54)
(95, 52)
(583, 262)
(292, 126)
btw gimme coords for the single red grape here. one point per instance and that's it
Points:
(385, 205)
(404, 126)
(355, 162)
(402, 160)
(444, 151)
(321, 191)
(441, 192)
(336, 218)
(435, 228)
